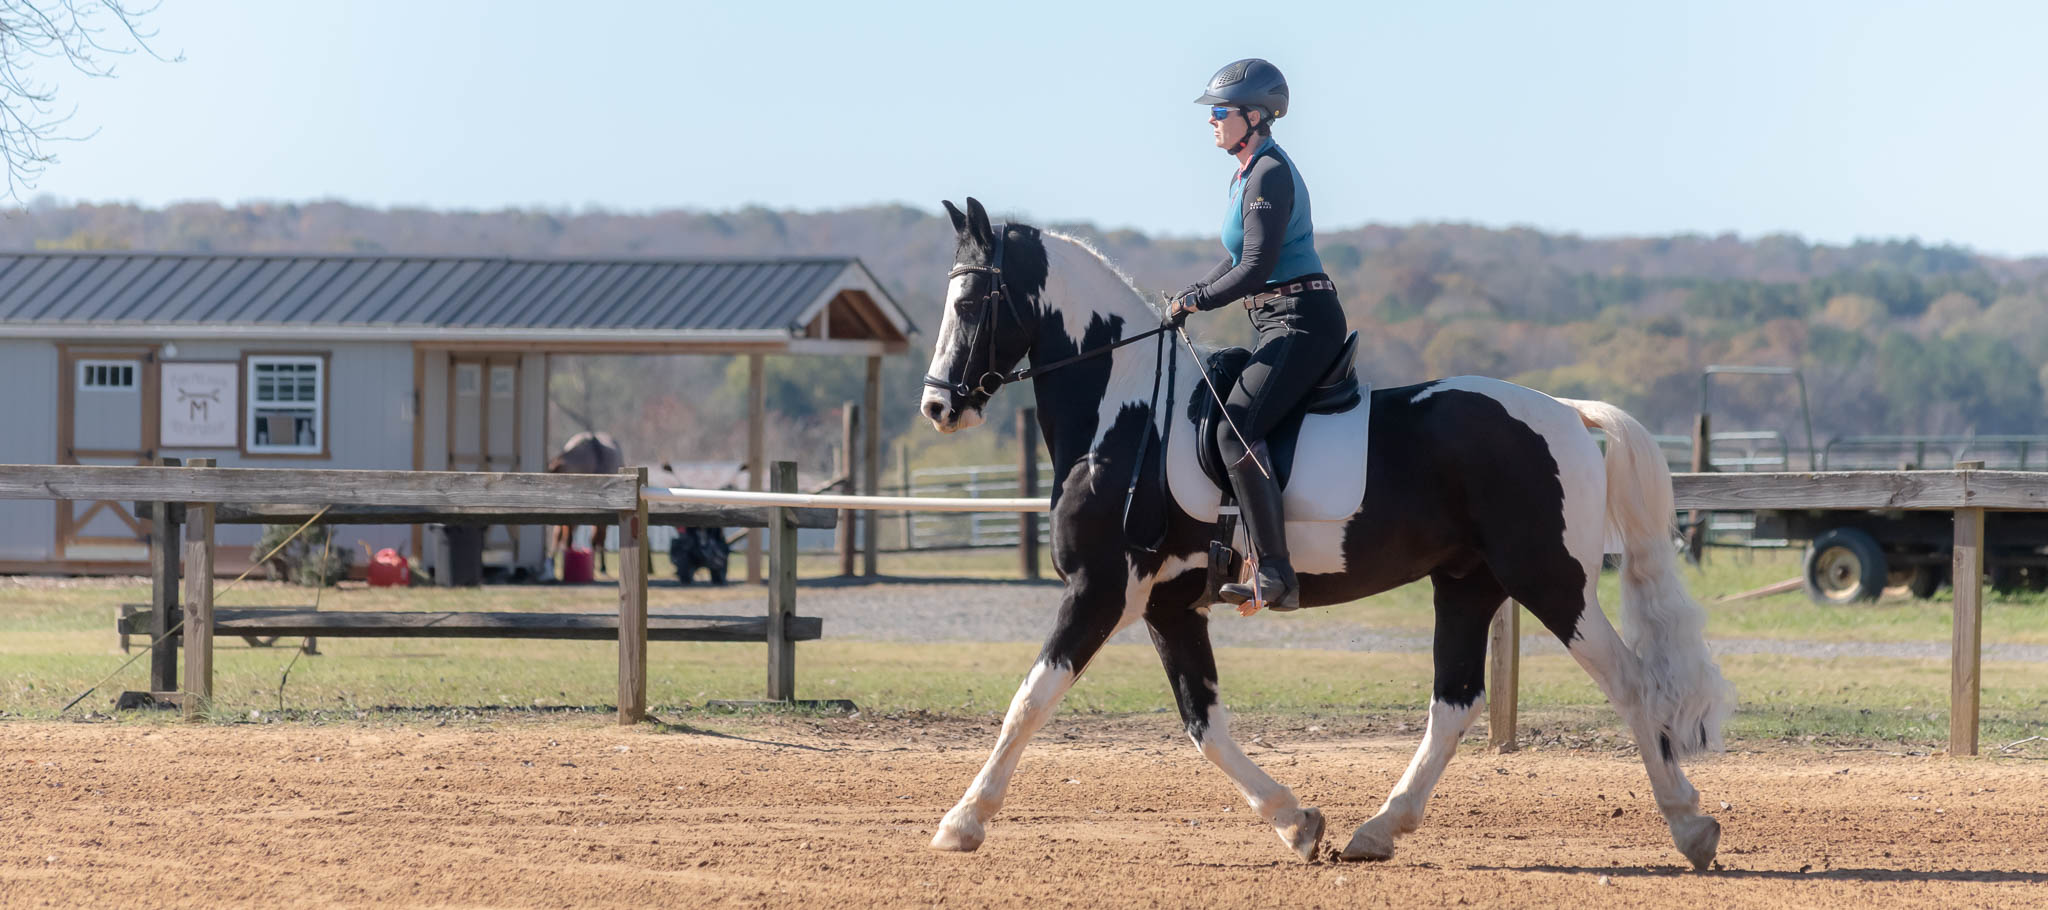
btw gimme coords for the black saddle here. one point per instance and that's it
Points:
(1336, 392)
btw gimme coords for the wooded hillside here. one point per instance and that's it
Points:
(1895, 337)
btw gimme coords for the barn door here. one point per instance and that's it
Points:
(483, 429)
(106, 415)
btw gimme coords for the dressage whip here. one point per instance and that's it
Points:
(1258, 596)
(1221, 407)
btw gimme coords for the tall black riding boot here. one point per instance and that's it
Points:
(1258, 501)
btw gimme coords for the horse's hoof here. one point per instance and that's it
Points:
(1303, 834)
(959, 832)
(1368, 844)
(1699, 838)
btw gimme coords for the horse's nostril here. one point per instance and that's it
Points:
(933, 409)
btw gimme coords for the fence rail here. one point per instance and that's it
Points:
(192, 496)
(1968, 492)
(260, 486)
(1895, 452)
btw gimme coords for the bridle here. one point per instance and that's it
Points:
(985, 387)
(990, 381)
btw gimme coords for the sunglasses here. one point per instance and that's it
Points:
(1218, 113)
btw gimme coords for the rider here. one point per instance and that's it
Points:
(1274, 270)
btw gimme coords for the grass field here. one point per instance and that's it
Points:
(56, 639)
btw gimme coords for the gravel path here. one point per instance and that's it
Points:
(937, 611)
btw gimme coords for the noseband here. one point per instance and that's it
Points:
(985, 387)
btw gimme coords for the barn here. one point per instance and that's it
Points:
(362, 361)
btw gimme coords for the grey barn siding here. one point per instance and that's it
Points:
(369, 419)
(28, 435)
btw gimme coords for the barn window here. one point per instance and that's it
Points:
(106, 374)
(287, 400)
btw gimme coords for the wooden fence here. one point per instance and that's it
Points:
(251, 495)
(1968, 492)
(200, 496)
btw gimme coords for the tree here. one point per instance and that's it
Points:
(83, 33)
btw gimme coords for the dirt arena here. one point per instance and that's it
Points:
(1105, 812)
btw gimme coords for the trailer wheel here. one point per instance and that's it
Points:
(1844, 565)
(1926, 580)
(2011, 579)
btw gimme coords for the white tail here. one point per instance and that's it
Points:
(1679, 682)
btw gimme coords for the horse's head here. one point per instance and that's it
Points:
(991, 317)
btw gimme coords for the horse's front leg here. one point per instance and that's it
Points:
(1180, 630)
(1090, 612)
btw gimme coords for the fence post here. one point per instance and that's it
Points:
(849, 425)
(1505, 657)
(903, 464)
(164, 545)
(870, 468)
(198, 605)
(973, 491)
(781, 587)
(633, 558)
(1966, 576)
(1702, 461)
(1027, 486)
(757, 465)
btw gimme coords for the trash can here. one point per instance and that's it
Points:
(465, 555)
(578, 566)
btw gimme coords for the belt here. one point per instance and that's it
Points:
(1287, 290)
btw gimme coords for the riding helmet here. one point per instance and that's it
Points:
(1250, 82)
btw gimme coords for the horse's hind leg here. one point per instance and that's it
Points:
(1464, 608)
(1089, 615)
(1576, 619)
(1180, 631)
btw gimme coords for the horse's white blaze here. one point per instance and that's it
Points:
(946, 358)
(1403, 809)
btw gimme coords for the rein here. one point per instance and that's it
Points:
(986, 386)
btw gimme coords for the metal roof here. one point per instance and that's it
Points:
(310, 292)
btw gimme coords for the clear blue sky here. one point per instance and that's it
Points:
(1833, 120)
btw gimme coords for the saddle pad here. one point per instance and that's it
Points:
(1327, 482)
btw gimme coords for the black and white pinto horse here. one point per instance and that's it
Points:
(1490, 490)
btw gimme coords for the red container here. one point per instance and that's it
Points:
(578, 565)
(389, 570)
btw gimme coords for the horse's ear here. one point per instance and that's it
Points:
(977, 221)
(959, 218)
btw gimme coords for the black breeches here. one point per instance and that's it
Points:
(1298, 337)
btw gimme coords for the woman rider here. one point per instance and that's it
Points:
(1273, 269)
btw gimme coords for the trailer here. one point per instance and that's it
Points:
(1854, 555)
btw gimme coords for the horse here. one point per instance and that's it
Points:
(1489, 489)
(589, 452)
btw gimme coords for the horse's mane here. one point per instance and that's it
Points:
(1107, 263)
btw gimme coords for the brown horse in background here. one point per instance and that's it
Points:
(584, 453)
